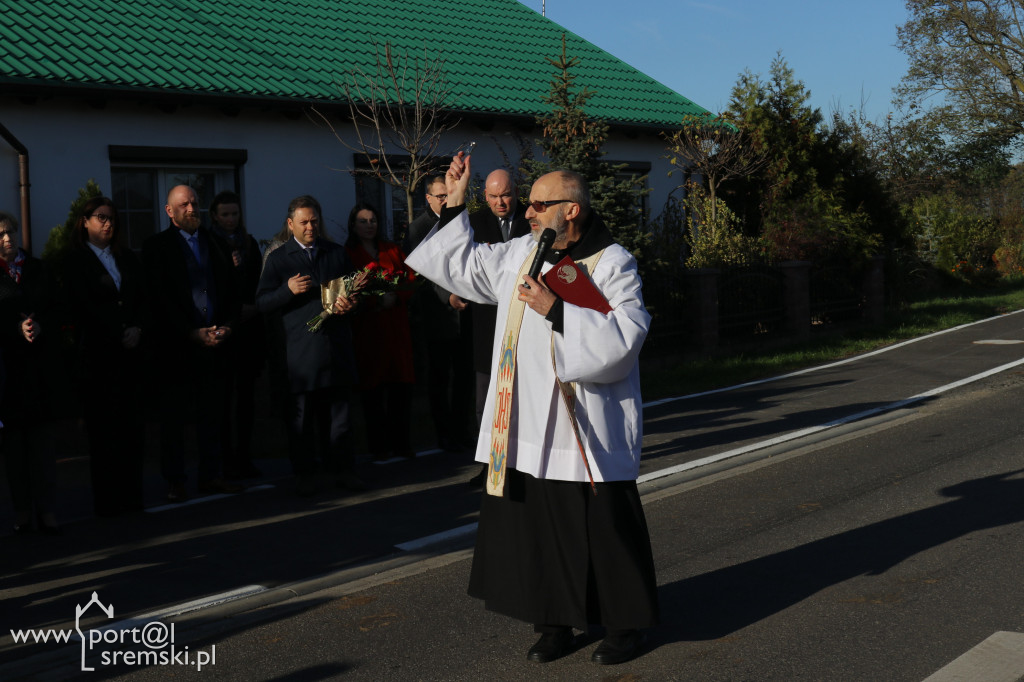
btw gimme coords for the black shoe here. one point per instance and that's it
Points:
(242, 472)
(218, 486)
(551, 646)
(350, 481)
(305, 486)
(619, 648)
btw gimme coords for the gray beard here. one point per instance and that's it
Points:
(559, 233)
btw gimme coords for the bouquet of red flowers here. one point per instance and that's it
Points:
(372, 280)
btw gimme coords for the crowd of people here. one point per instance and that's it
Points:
(200, 314)
(562, 541)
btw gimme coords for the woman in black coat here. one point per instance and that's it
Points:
(29, 358)
(106, 289)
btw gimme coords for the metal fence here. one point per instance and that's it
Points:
(698, 310)
(751, 302)
(836, 295)
(668, 300)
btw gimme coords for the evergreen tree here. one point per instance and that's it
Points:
(59, 240)
(573, 141)
(813, 200)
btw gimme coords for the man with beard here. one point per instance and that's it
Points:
(195, 304)
(552, 548)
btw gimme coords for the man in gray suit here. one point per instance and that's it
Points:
(320, 365)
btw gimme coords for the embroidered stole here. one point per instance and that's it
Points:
(505, 383)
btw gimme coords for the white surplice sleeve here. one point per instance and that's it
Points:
(450, 258)
(603, 348)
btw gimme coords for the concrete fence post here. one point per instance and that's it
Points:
(797, 297)
(874, 291)
(704, 306)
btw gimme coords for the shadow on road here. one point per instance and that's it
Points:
(718, 603)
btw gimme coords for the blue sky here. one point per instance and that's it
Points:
(843, 51)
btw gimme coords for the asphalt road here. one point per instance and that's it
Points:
(820, 547)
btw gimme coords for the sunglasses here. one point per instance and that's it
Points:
(541, 206)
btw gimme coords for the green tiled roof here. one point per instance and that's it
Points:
(298, 50)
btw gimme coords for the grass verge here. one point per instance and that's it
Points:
(923, 316)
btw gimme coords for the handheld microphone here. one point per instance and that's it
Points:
(547, 238)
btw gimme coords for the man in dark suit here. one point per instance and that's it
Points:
(418, 228)
(195, 304)
(503, 219)
(442, 339)
(320, 365)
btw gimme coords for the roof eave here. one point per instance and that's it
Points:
(168, 99)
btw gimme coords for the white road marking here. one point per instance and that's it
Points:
(206, 498)
(838, 363)
(437, 537)
(686, 466)
(179, 609)
(471, 528)
(1000, 658)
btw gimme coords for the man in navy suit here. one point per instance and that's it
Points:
(195, 304)
(320, 365)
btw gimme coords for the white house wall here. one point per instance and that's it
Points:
(68, 144)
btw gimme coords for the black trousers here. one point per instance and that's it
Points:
(319, 420)
(553, 553)
(115, 429)
(197, 389)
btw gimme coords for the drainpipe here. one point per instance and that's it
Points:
(23, 185)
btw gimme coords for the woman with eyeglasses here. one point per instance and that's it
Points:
(29, 343)
(383, 343)
(106, 289)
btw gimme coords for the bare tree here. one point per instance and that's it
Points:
(971, 53)
(399, 109)
(715, 149)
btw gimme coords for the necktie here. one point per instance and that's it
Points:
(504, 229)
(193, 241)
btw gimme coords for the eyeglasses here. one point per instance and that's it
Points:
(439, 197)
(103, 217)
(8, 233)
(541, 206)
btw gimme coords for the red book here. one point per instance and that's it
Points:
(573, 286)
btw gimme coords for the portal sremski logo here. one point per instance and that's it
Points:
(79, 611)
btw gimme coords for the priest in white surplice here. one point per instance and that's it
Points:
(549, 550)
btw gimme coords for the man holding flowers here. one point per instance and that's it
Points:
(319, 364)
